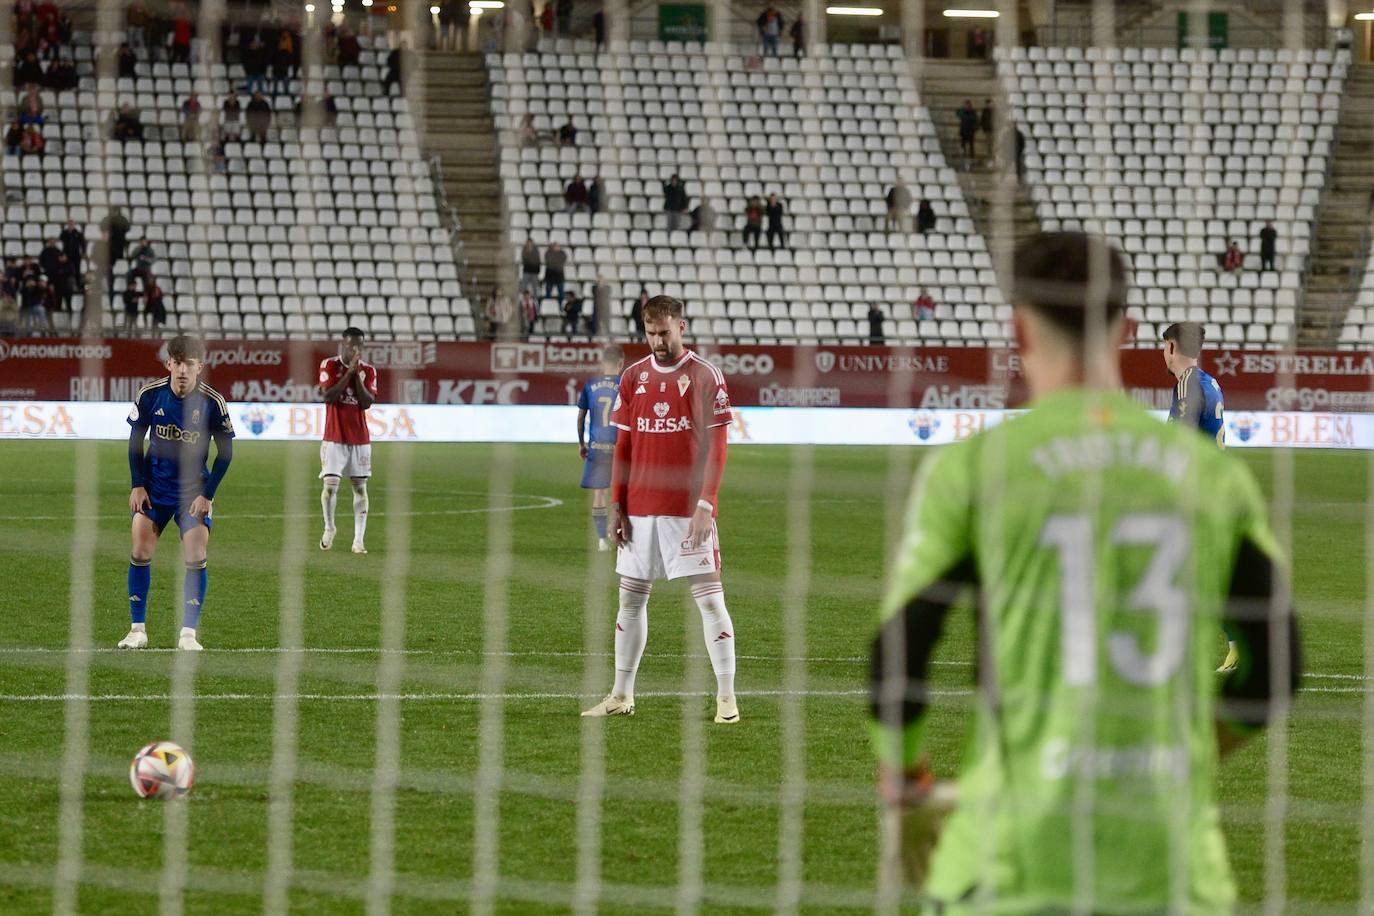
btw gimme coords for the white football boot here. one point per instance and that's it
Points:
(137, 638)
(603, 545)
(188, 640)
(327, 539)
(611, 706)
(358, 548)
(727, 711)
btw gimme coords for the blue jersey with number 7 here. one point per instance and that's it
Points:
(597, 398)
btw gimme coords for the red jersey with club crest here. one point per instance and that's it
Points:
(666, 412)
(346, 420)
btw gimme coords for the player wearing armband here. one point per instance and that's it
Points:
(1099, 549)
(179, 416)
(596, 441)
(672, 411)
(349, 387)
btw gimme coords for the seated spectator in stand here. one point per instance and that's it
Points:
(555, 260)
(898, 206)
(876, 337)
(674, 201)
(127, 62)
(703, 218)
(350, 51)
(572, 313)
(14, 136)
(637, 312)
(230, 117)
(925, 306)
(925, 217)
(1268, 239)
(128, 125)
(395, 61)
(776, 235)
(190, 119)
(567, 134)
(596, 195)
(31, 112)
(1232, 259)
(753, 222)
(258, 117)
(33, 143)
(154, 308)
(528, 135)
(575, 195)
(61, 75)
(27, 70)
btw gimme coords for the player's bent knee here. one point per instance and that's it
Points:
(138, 559)
(196, 564)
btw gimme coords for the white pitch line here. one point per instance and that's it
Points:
(547, 502)
(462, 697)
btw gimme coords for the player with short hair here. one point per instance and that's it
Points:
(349, 387)
(1102, 548)
(673, 412)
(1197, 404)
(179, 415)
(596, 441)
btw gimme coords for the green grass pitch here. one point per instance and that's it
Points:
(267, 522)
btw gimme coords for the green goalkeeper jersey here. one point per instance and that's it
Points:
(1102, 544)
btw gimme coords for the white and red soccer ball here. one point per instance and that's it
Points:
(162, 770)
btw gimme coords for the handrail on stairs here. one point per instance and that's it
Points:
(448, 215)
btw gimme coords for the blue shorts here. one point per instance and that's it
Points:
(162, 513)
(596, 473)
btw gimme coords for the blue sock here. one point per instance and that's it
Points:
(197, 577)
(599, 520)
(1230, 637)
(140, 576)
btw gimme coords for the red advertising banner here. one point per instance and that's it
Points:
(48, 369)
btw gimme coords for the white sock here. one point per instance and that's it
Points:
(719, 632)
(138, 628)
(359, 512)
(329, 497)
(631, 633)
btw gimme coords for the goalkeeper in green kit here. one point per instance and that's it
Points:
(1101, 548)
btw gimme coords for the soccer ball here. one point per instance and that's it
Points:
(162, 770)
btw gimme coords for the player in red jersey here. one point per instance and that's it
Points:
(673, 411)
(349, 386)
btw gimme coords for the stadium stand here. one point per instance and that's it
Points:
(301, 235)
(830, 133)
(1176, 153)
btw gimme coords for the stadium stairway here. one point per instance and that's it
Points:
(989, 190)
(1343, 221)
(457, 126)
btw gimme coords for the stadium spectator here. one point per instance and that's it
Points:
(978, 42)
(9, 312)
(1268, 239)
(529, 312)
(528, 135)
(555, 260)
(135, 20)
(258, 117)
(47, 258)
(33, 316)
(567, 134)
(182, 31)
(925, 217)
(154, 307)
(27, 70)
(253, 59)
(31, 112)
(601, 307)
(231, 115)
(572, 312)
(898, 206)
(599, 29)
(1232, 260)
(126, 62)
(596, 195)
(876, 337)
(142, 260)
(770, 25)
(131, 297)
(530, 265)
(798, 31)
(925, 306)
(500, 315)
(128, 125)
(33, 143)
(190, 119)
(753, 222)
(968, 130)
(14, 136)
(674, 201)
(564, 12)
(219, 160)
(286, 60)
(63, 280)
(348, 50)
(1020, 156)
(703, 218)
(637, 312)
(575, 195)
(451, 19)
(61, 75)
(776, 234)
(73, 244)
(985, 121)
(546, 22)
(397, 63)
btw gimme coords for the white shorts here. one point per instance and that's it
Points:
(659, 549)
(339, 460)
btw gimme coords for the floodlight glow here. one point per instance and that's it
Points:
(853, 11)
(310, 7)
(971, 14)
(487, 4)
(1364, 17)
(367, 2)
(434, 10)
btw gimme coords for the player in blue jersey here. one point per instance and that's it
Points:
(596, 440)
(1197, 403)
(178, 415)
